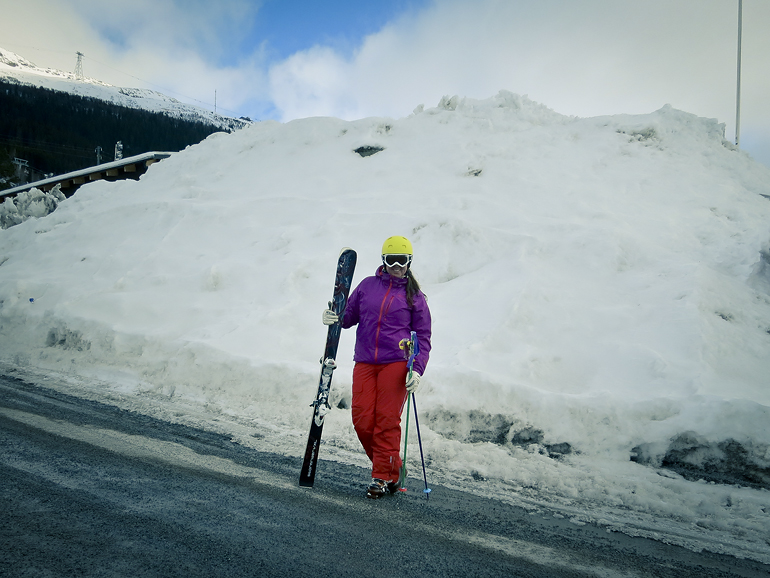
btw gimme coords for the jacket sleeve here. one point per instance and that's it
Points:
(421, 324)
(352, 309)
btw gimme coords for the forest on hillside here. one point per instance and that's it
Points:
(57, 132)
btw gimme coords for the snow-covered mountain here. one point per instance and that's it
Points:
(14, 68)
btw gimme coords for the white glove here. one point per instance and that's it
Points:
(413, 383)
(329, 317)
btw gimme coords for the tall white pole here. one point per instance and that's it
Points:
(738, 92)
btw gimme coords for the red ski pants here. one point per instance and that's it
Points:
(379, 394)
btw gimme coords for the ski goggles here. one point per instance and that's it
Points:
(396, 260)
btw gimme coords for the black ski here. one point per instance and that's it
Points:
(345, 267)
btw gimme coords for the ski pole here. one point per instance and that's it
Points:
(402, 473)
(413, 348)
(427, 490)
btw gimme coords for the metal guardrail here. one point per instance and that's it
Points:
(128, 168)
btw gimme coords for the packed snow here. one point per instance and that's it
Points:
(600, 290)
(16, 209)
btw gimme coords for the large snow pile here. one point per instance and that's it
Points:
(599, 288)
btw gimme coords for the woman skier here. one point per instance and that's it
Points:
(387, 307)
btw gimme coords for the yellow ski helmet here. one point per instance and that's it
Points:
(397, 246)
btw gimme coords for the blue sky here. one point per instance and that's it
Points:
(291, 59)
(289, 27)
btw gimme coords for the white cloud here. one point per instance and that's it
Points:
(312, 83)
(171, 26)
(584, 58)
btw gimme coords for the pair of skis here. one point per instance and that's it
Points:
(346, 265)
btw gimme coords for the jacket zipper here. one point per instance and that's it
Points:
(379, 322)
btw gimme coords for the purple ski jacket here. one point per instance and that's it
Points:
(378, 306)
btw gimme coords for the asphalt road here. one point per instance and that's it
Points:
(88, 489)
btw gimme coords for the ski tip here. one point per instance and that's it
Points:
(345, 249)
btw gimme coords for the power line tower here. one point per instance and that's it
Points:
(79, 66)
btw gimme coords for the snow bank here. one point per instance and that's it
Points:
(599, 288)
(32, 203)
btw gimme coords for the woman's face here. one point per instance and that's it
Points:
(397, 264)
(396, 271)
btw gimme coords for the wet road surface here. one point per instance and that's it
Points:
(89, 489)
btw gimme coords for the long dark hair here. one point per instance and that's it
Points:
(412, 288)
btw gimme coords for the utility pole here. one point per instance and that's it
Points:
(98, 152)
(738, 91)
(22, 167)
(119, 150)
